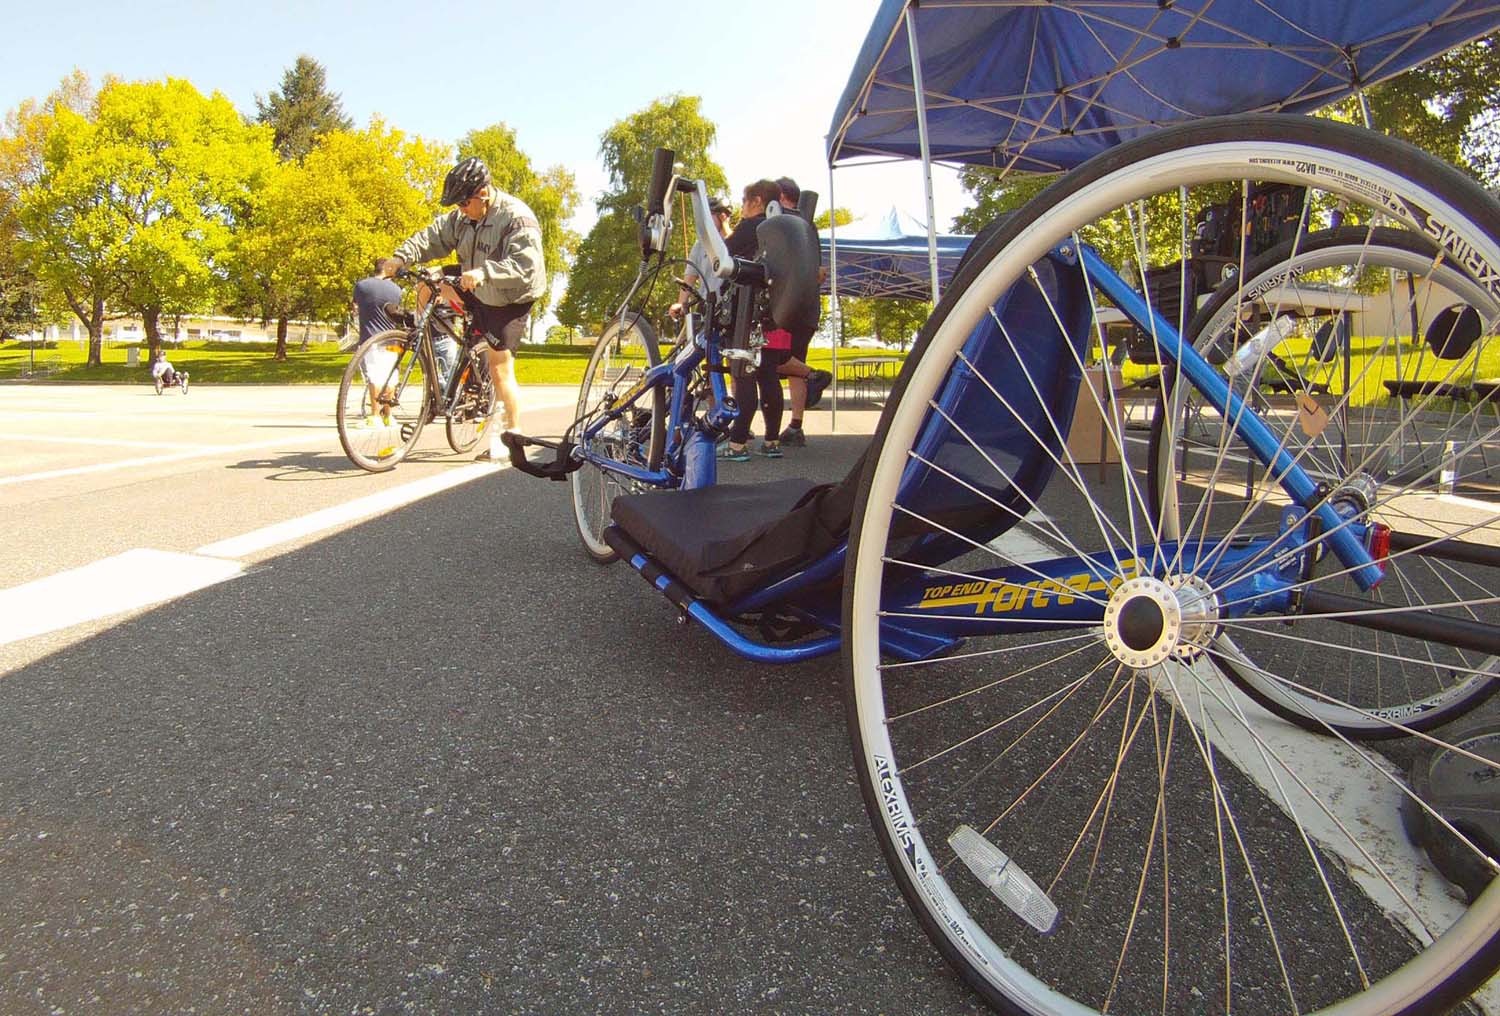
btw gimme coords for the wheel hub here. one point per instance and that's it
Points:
(1148, 621)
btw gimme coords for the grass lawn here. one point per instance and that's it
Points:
(1371, 363)
(251, 363)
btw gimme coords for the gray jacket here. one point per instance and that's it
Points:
(506, 243)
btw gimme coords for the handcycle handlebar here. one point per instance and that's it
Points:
(661, 174)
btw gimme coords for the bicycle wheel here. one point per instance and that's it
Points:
(1308, 387)
(156, 381)
(377, 434)
(470, 418)
(182, 381)
(1081, 808)
(626, 350)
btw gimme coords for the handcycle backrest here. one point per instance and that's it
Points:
(789, 250)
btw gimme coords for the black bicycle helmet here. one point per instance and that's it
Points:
(464, 181)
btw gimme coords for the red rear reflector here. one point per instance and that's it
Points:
(1380, 543)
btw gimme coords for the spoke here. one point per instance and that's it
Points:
(981, 653)
(1239, 659)
(1057, 697)
(1024, 566)
(1140, 889)
(1370, 863)
(1069, 467)
(949, 700)
(1382, 611)
(1051, 531)
(1327, 576)
(1377, 653)
(1267, 753)
(1134, 495)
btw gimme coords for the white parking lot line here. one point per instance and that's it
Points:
(342, 514)
(142, 577)
(128, 581)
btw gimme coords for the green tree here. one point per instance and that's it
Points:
(608, 257)
(63, 227)
(551, 194)
(995, 194)
(302, 110)
(178, 171)
(22, 142)
(1447, 107)
(319, 224)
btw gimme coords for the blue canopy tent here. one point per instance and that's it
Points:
(886, 256)
(1020, 85)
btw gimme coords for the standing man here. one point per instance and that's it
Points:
(805, 384)
(499, 247)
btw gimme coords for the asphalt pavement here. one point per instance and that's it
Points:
(392, 743)
(431, 761)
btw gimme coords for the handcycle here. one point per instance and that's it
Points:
(394, 384)
(179, 381)
(1075, 708)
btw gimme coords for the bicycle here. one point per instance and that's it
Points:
(393, 385)
(1051, 686)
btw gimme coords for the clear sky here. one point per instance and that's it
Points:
(559, 72)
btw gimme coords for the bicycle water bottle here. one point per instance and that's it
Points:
(1258, 345)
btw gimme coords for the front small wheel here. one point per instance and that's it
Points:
(471, 418)
(627, 349)
(384, 398)
(156, 382)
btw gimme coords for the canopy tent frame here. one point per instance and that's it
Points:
(1061, 111)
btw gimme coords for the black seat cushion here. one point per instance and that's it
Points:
(727, 540)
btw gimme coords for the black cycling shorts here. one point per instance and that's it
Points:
(503, 326)
(800, 343)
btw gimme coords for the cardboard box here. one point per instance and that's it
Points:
(1088, 439)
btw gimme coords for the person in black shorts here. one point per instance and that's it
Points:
(742, 243)
(805, 384)
(499, 246)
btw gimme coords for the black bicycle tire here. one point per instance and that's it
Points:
(351, 377)
(656, 443)
(486, 411)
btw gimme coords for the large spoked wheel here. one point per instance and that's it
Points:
(157, 383)
(383, 400)
(470, 419)
(626, 350)
(1308, 357)
(1079, 803)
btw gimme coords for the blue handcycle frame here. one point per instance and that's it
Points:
(920, 618)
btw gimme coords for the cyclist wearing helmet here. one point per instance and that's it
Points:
(499, 247)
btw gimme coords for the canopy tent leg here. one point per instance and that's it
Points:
(916, 78)
(835, 324)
